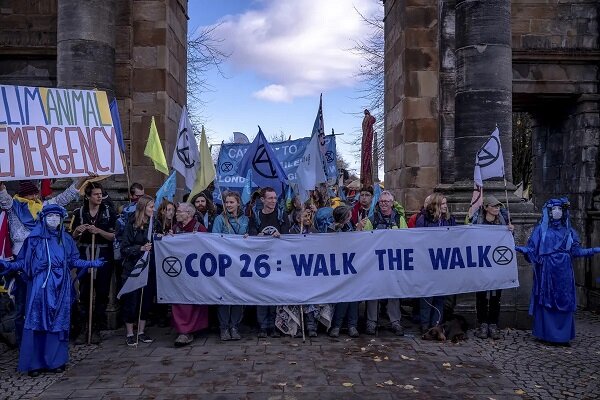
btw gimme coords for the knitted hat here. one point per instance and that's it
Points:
(27, 188)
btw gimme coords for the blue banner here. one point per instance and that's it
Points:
(289, 153)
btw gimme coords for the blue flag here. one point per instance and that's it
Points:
(375, 200)
(114, 113)
(167, 190)
(247, 191)
(266, 169)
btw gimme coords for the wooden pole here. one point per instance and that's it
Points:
(93, 257)
(139, 316)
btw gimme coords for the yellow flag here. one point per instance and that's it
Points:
(154, 150)
(206, 170)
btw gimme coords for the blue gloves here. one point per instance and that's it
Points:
(521, 249)
(97, 263)
(596, 250)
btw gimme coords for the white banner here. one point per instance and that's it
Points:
(204, 268)
(51, 133)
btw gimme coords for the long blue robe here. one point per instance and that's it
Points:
(45, 343)
(553, 302)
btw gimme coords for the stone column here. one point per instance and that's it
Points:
(86, 44)
(483, 81)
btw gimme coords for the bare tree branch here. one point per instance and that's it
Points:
(204, 54)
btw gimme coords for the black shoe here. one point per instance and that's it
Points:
(142, 337)
(58, 370)
(34, 373)
(262, 333)
(130, 340)
(275, 333)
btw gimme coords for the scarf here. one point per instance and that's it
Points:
(27, 210)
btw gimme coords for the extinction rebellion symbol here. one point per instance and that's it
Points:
(262, 163)
(183, 153)
(502, 255)
(489, 153)
(172, 266)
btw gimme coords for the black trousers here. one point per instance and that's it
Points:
(488, 306)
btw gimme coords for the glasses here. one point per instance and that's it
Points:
(385, 201)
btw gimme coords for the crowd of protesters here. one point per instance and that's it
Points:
(103, 247)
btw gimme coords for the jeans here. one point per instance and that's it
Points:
(430, 316)
(393, 311)
(349, 310)
(488, 309)
(265, 316)
(230, 316)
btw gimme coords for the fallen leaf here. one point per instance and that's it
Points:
(537, 386)
(294, 345)
(298, 385)
(379, 385)
(458, 366)
(519, 391)
(363, 349)
(402, 356)
(389, 382)
(446, 365)
(347, 384)
(416, 379)
(377, 359)
(372, 340)
(282, 383)
(409, 387)
(386, 358)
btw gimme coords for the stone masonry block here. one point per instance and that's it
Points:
(146, 57)
(422, 130)
(150, 10)
(417, 108)
(149, 80)
(428, 83)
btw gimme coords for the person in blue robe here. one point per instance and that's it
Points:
(45, 260)
(551, 249)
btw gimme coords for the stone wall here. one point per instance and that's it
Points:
(411, 100)
(28, 42)
(150, 68)
(155, 80)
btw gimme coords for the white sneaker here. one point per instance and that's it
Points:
(183, 340)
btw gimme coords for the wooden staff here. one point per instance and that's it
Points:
(301, 307)
(93, 257)
(139, 315)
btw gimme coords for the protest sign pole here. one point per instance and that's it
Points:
(302, 323)
(139, 317)
(93, 257)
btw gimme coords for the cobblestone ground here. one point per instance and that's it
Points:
(385, 367)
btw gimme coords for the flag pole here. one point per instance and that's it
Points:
(506, 194)
(302, 307)
(93, 257)
(139, 317)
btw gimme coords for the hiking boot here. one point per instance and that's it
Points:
(353, 332)
(482, 332)
(275, 333)
(225, 335)
(58, 370)
(334, 332)
(130, 340)
(262, 334)
(34, 373)
(312, 333)
(183, 340)
(235, 334)
(494, 332)
(142, 337)
(371, 328)
(398, 329)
